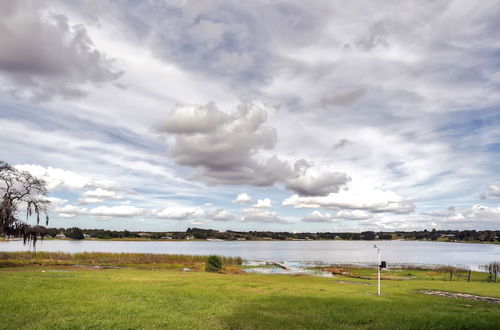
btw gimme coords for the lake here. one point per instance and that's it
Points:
(394, 252)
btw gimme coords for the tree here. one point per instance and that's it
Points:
(213, 264)
(19, 190)
(74, 233)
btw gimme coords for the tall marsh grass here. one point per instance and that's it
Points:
(106, 259)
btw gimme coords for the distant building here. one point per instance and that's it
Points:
(143, 234)
(241, 239)
(86, 236)
(60, 236)
(166, 237)
(189, 237)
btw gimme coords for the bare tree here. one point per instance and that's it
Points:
(20, 191)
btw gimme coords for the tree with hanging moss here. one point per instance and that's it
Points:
(21, 191)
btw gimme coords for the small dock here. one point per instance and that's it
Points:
(279, 264)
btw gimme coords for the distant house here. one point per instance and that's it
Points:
(143, 234)
(86, 236)
(60, 236)
(241, 239)
(189, 237)
(166, 237)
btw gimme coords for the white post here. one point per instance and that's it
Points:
(378, 266)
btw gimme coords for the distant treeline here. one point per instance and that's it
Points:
(197, 233)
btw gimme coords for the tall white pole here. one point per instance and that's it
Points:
(378, 266)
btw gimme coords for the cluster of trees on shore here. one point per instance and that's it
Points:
(198, 233)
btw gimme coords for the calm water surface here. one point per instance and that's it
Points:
(441, 253)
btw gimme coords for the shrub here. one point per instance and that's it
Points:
(213, 264)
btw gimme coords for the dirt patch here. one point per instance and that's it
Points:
(357, 283)
(344, 272)
(462, 295)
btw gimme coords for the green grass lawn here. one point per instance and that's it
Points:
(66, 297)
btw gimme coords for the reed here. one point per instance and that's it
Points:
(106, 259)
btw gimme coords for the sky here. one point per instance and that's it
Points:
(257, 115)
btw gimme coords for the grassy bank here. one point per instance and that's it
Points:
(409, 273)
(66, 297)
(135, 260)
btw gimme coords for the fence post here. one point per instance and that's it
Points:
(468, 277)
(451, 275)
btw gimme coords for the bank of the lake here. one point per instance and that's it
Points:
(57, 298)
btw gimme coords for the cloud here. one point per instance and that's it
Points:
(374, 200)
(70, 211)
(227, 149)
(58, 179)
(352, 215)
(55, 201)
(98, 195)
(119, 211)
(193, 119)
(317, 216)
(221, 215)
(43, 56)
(263, 203)
(103, 212)
(475, 214)
(179, 213)
(494, 190)
(243, 199)
(317, 185)
(262, 216)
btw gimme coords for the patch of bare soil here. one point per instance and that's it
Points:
(462, 295)
(355, 283)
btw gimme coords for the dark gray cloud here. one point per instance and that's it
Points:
(43, 56)
(319, 185)
(226, 149)
(236, 42)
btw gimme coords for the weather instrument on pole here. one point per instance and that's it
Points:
(379, 265)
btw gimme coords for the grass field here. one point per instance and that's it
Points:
(69, 297)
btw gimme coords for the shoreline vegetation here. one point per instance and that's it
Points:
(197, 234)
(143, 291)
(238, 265)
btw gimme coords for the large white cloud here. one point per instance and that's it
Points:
(179, 213)
(317, 216)
(118, 211)
(373, 200)
(103, 211)
(476, 213)
(57, 178)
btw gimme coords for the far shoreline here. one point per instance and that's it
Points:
(3, 239)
